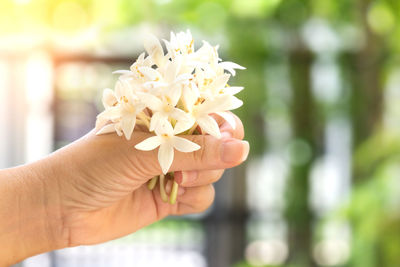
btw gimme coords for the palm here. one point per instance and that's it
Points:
(130, 213)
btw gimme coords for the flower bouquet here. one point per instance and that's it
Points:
(171, 94)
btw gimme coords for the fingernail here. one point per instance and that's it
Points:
(233, 149)
(189, 177)
(168, 187)
(178, 177)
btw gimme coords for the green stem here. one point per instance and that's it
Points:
(144, 118)
(192, 129)
(152, 183)
(174, 193)
(163, 194)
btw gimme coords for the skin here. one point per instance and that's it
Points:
(95, 190)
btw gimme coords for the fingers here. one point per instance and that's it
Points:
(189, 200)
(197, 178)
(195, 200)
(213, 154)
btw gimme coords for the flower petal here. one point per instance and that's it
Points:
(231, 66)
(220, 82)
(127, 125)
(153, 102)
(110, 113)
(233, 90)
(164, 128)
(209, 125)
(153, 47)
(149, 143)
(172, 69)
(179, 114)
(165, 156)
(174, 94)
(122, 72)
(150, 73)
(228, 117)
(157, 119)
(236, 103)
(183, 125)
(219, 103)
(109, 98)
(184, 145)
(109, 128)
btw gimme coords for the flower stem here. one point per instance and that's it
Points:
(192, 129)
(152, 183)
(145, 119)
(174, 193)
(163, 194)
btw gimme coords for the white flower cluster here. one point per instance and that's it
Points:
(171, 93)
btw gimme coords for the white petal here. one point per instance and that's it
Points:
(157, 119)
(236, 103)
(173, 68)
(179, 115)
(209, 125)
(219, 103)
(149, 143)
(150, 73)
(118, 129)
(164, 128)
(169, 48)
(153, 46)
(183, 125)
(110, 113)
(175, 94)
(109, 98)
(101, 122)
(165, 156)
(233, 90)
(122, 72)
(220, 82)
(109, 128)
(229, 118)
(153, 84)
(184, 145)
(231, 66)
(190, 96)
(183, 77)
(127, 125)
(151, 101)
(119, 89)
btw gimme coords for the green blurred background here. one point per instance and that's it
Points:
(322, 115)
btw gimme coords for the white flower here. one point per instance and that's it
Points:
(200, 110)
(122, 113)
(171, 93)
(155, 50)
(165, 139)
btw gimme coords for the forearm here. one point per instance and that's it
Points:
(30, 216)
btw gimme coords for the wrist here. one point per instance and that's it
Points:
(30, 206)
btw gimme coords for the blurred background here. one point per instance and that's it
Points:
(322, 114)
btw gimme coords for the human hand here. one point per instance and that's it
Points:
(96, 188)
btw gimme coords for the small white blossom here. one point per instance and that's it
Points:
(171, 93)
(165, 139)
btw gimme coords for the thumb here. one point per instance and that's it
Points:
(213, 154)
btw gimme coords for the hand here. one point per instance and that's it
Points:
(96, 187)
